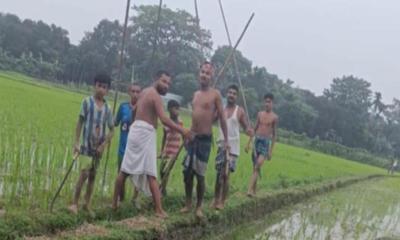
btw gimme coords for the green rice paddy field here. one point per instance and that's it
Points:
(37, 124)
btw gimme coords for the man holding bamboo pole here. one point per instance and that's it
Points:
(140, 159)
(95, 116)
(235, 118)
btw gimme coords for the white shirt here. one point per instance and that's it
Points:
(233, 126)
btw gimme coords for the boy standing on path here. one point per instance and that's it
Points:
(125, 117)
(95, 116)
(170, 145)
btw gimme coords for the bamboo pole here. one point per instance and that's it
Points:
(229, 58)
(120, 68)
(235, 64)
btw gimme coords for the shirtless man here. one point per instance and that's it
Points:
(264, 142)
(140, 159)
(205, 102)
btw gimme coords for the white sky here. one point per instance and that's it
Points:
(308, 41)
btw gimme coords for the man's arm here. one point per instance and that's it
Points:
(109, 135)
(246, 127)
(274, 133)
(78, 130)
(245, 123)
(165, 120)
(254, 131)
(221, 116)
(118, 117)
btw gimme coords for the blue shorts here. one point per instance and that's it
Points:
(261, 148)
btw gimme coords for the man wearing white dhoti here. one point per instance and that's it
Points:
(140, 157)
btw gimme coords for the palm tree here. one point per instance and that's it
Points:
(378, 105)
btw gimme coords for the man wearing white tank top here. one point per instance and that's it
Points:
(235, 118)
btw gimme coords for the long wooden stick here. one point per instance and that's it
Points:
(196, 9)
(229, 58)
(223, 175)
(63, 182)
(168, 168)
(235, 64)
(120, 68)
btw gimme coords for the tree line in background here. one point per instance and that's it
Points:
(347, 113)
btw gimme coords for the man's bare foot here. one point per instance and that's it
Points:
(89, 210)
(199, 213)
(251, 194)
(2, 212)
(73, 209)
(186, 209)
(115, 206)
(219, 206)
(161, 214)
(213, 204)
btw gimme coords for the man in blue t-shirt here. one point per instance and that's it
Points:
(125, 117)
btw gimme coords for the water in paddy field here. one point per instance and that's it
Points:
(368, 210)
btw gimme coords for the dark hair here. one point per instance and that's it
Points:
(134, 85)
(172, 104)
(269, 96)
(206, 63)
(159, 73)
(234, 87)
(103, 78)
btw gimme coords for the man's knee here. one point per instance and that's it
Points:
(92, 174)
(151, 178)
(257, 167)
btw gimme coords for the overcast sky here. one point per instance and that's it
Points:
(308, 41)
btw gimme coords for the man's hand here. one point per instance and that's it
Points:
(250, 132)
(247, 148)
(226, 146)
(77, 149)
(100, 149)
(188, 135)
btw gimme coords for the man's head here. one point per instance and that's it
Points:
(268, 101)
(134, 91)
(173, 108)
(206, 74)
(232, 94)
(102, 83)
(162, 81)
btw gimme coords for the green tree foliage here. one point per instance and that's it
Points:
(347, 113)
(177, 42)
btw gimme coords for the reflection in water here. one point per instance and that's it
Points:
(362, 211)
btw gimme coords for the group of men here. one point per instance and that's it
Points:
(137, 154)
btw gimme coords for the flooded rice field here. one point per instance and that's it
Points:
(368, 210)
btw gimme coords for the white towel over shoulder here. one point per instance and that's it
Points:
(140, 159)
